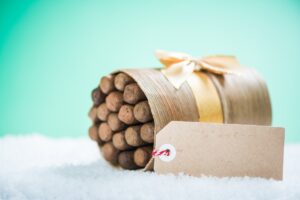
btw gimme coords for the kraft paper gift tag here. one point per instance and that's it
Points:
(221, 150)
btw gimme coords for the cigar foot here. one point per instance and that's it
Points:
(142, 156)
(147, 132)
(110, 153)
(105, 132)
(102, 112)
(93, 115)
(126, 160)
(121, 80)
(142, 112)
(132, 136)
(133, 94)
(119, 141)
(115, 123)
(107, 84)
(126, 115)
(114, 101)
(93, 133)
(98, 97)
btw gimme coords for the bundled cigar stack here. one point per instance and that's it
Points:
(124, 125)
(122, 122)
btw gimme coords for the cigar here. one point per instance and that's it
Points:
(103, 112)
(119, 141)
(147, 132)
(93, 133)
(110, 153)
(121, 80)
(114, 101)
(133, 94)
(93, 115)
(105, 132)
(107, 84)
(115, 123)
(142, 112)
(126, 160)
(132, 136)
(126, 115)
(142, 155)
(98, 96)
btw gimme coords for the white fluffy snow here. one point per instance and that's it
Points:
(36, 167)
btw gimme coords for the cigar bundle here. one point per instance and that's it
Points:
(130, 106)
(122, 122)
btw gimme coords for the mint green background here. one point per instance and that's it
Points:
(52, 53)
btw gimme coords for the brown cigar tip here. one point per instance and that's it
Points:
(126, 114)
(98, 96)
(132, 136)
(114, 101)
(93, 133)
(110, 153)
(142, 112)
(119, 141)
(121, 80)
(105, 132)
(126, 160)
(103, 112)
(114, 122)
(93, 114)
(142, 156)
(147, 132)
(107, 84)
(133, 94)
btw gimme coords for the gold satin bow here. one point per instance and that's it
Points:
(179, 66)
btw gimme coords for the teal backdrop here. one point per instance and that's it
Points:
(52, 53)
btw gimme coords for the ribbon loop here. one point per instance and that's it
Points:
(179, 66)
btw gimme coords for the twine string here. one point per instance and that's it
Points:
(165, 152)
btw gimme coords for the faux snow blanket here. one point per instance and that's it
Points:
(37, 167)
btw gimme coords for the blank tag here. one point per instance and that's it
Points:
(222, 150)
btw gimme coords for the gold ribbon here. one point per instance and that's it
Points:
(181, 67)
